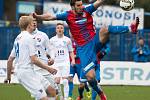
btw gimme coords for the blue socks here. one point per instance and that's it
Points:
(70, 89)
(94, 94)
(94, 85)
(86, 87)
(80, 90)
(118, 29)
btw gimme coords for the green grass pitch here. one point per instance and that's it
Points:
(17, 92)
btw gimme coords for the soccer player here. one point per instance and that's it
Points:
(80, 22)
(24, 53)
(76, 69)
(64, 50)
(44, 49)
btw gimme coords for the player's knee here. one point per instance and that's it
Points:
(51, 91)
(92, 82)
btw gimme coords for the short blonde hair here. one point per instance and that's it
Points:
(24, 21)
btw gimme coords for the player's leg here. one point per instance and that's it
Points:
(71, 76)
(49, 86)
(88, 64)
(80, 91)
(81, 85)
(105, 31)
(66, 87)
(88, 91)
(31, 81)
(93, 83)
(97, 71)
(71, 86)
(57, 80)
(65, 74)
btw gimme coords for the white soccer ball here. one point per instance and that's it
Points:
(127, 5)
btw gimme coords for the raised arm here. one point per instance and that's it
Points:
(45, 17)
(97, 3)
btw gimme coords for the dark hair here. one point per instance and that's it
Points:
(60, 24)
(72, 2)
(141, 38)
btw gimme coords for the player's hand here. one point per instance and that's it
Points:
(34, 15)
(52, 70)
(50, 61)
(73, 63)
(7, 81)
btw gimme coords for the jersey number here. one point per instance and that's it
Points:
(60, 52)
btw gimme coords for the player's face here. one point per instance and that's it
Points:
(32, 26)
(141, 42)
(78, 7)
(35, 24)
(60, 29)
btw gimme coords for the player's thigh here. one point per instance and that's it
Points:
(51, 80)
(31, 81)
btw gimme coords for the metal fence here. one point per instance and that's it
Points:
(120, 45)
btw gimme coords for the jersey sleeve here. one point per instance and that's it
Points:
(70, 48)
(13, 54)
(90, 8)
(31, 47)
(62, 16)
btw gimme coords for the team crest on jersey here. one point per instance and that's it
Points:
(39, 39)
(64, 42)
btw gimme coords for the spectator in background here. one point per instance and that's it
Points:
(140, 51)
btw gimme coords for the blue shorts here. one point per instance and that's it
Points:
(87, 55)
(75, 69)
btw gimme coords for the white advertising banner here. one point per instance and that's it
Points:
(104, 15)
(3, 72)
(112, 73)
(125, 73)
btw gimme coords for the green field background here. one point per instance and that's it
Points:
(17, 92)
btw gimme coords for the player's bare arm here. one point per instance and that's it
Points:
(45, 17)
(9, 68)
(97, 3)
(36, 61)
(72, 58)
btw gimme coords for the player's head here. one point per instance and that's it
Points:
(141, 41)
(26, 23)
(77, 6)
(60, 29)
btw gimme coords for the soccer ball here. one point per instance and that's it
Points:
(127, 5)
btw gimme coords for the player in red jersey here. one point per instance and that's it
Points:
(80, 22)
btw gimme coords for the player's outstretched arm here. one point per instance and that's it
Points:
(37, 62)
(45, 17)
(97, 3)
